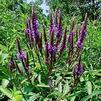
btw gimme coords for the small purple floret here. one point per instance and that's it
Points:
(21, 55)
(78, 70)
(79, 44)
(52, 49)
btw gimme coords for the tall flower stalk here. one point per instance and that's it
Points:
(82, 35)
(70, 42)
(23, 57)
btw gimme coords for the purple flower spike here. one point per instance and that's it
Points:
(35, 27)
(21, 55)
(70, 38)
(78, 70)
(83, 33)
(79, 44)
(63, 45)
(59, 34)
(27, 31)
(28, 27)
(52, 49)
(56, 29)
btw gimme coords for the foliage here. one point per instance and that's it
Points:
(77, 7)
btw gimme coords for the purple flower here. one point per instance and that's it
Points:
(52, 49)
(79, 44)
(27, 31)
(56, 29)
(78, 70)
(51, 46)
(56, 26)
(35, 27)
(28, 27)
(21, 55)
(59, 34)
(70, 38)
(82, 35)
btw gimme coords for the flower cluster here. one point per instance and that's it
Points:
(34, 38)
(22, 56)
(78, 70)
(55, 44)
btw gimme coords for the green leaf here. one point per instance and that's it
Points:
(3, 47)
(66, 88)
(73, 98)
(5, 82)
(95, 93)
(60, 87)
(14, 95)
(39, 78)
(73, 94)
(89, 87)
(6, 92)
(42, 85)
(57, 80)
(46, 99)
(17, 94)
(12, 43)
(33, 97)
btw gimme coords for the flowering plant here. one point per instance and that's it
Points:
(51, 54)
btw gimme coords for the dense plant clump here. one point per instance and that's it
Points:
(47, 63)
(57, 43)
(49, 47)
